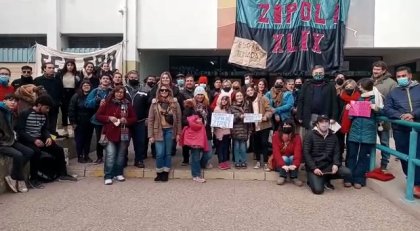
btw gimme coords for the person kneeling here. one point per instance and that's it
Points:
(322, 157)
(287, 153)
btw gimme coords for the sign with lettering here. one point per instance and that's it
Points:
(295, 35)
(221, 120)
(252, 118)
(111, 55)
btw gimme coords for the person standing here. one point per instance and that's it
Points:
(5, 89)
(25, 78)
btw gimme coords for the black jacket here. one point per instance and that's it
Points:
(7, 136)
(77, 78)
(139, 99)
(329, 106)
(184, 95)
(320, 152)
(79, 114)
(22, 81)
(53, 86)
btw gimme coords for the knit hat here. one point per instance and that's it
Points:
(202, 79)
(199, 90)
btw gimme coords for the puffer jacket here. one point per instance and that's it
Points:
(321, 152)
(7, 136)
(363, 130)
(397, 103)
(241, 130)
(79, 114)
(189, 111)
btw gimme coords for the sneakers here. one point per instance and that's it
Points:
(67, 178)
(357, 186)
(21, 186)
(266, 168)
(281, 180)
(199, 179)
(244, 165)
(108, 182)
(297, 182)
(237, 165)
(34, 183)
(12, 183)
(224, 166)
(257, 165)
(209, 166)
(347, 184)
(120, 178)
(329, 186)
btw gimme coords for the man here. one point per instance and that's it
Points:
(54, 88)
(317, 97)
(403, 102)
(248, 81)
(180, 81)
(150, 83)
(138, 97)
(25, 78)
(5, 89)
(9, 147)
(32, 132)
(384, 83)
(290, 85)
(95, 99)
(322, 157)
(187, 93)
(216, 90)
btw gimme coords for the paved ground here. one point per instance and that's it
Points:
(141, 204)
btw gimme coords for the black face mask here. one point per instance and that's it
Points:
(226, 89)
(278, 85)
(349, 91)
(133, 82)
(287, 130)
(339, 82)
(298, 86)
(151, 84)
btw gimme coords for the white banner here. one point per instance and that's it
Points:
(252, 118)
(221, 120)
(112, 55)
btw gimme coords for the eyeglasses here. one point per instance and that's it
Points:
(26, 72)
(163, 90)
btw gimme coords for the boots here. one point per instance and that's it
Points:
(165, 176)
(158, 176)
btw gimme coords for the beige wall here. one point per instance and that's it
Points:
(15, 68)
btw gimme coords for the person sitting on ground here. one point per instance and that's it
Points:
(33, 132)
(287, 153)
(322, 157)
(9, 147)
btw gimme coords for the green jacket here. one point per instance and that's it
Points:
(363, 130)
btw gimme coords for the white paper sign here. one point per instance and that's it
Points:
(221, 120)
(252, 118)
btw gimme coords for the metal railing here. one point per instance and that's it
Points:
(411, 159)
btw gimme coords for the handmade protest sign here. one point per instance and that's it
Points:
(221, 120)
(360, 108)
(252, 118)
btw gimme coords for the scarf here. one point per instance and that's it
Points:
(202, 110)
(277, 98)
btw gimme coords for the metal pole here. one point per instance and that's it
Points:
(411, 166)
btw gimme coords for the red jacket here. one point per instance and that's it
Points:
(294, 148)
(5, 91)
(345, 120)
(112, 132)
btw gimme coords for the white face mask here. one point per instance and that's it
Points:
(323, 126)
(246, 81)
(203, 85)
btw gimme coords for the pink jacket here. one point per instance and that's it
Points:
(194, 135)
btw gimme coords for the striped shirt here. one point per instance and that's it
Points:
(34, 124)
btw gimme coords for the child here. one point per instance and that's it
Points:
(223, 135)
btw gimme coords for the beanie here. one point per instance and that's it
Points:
(199, 90)
(203, 79)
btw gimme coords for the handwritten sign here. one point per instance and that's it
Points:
(360, 108)
(252, 118)
(248, 53)
(221, 120)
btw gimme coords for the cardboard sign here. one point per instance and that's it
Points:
(252, 118)
(221, 120)
(248, 53)
(360, 108)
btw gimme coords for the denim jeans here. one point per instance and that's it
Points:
(223, 148)
(239, 147)
(199, 160)
(402, 144)
(21, 155)
(357, 160)
(384, 139)
(164, 151)
(316, 183)
(288, 160)
(114, 159)
(139, 141)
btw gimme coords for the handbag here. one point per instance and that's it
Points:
(125, 133)
(103, 140)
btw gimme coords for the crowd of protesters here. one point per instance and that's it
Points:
(298, 117)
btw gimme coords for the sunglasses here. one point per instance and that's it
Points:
(26, 72)
(163, 90)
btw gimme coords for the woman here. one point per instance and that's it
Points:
(287, 153)
(117, 115)
(79, 116)
(117, 79)
(164, 125)
(104, 69)
(199, 106)
(88, 73)
(241, 130)
(260, 105)
(223, 135)
(27, 95)
(70, 79)
(262, 86)
(281, 100)
(362, 136)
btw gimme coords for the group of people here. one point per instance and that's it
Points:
(297, 122)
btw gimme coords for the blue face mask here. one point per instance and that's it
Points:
(403, 81)
(180, 82)
(318, 77)
(4, 80)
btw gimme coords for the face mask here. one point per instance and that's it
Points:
(339, 82)
(403, 82)
(323, 126)
(287, 130)
(150, 84)
(4, 80)
(203, 85)
(246, 81)
(298, 86)
(180, 82)
(226, 89)
(318, 77)
(278, 85)
(349, 91)
(133, 82)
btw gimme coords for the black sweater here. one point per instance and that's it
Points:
(79, 114)
(53, 86)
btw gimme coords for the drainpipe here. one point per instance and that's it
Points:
(123, 12)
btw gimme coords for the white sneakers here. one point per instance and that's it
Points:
(199, 179)
(119, 178)
(16, 186)
(266, 168)
(108, 181)
(21, 186)
(258, 165)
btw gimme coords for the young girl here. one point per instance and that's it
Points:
(241, 130)
(223, 135)
(362, 136)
